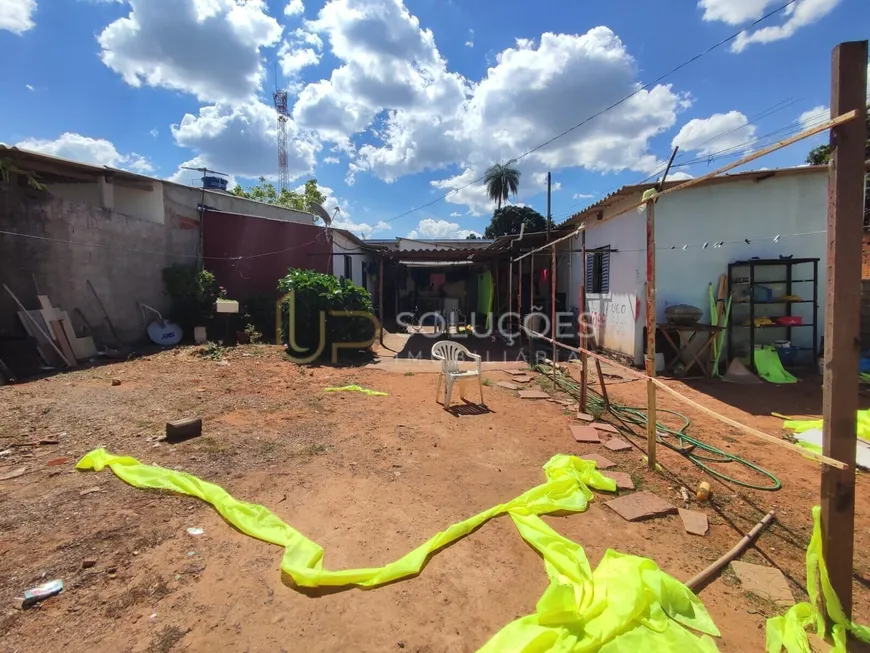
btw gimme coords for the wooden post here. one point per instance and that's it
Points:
(381, 298)
(651, 332)
(584, 342)
(531, 306)
(510, 292)
(520, 302)
(842, 313)
(553, 333)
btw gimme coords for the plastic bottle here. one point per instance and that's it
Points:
(704, 491)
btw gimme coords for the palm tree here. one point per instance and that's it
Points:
(501, 181)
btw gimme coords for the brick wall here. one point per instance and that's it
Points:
(123, 257)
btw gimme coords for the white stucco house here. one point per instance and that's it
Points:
(698, 232)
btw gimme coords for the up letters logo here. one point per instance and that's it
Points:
(294, 348)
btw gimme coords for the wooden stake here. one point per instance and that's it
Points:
(531, 307)
(651, 333)
(381, 298)
(584, 359)
(843, 313)
(553, 308)
(601, 382)
(698, 583)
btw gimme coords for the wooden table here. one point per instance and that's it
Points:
(699, 358)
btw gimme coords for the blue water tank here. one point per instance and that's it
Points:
(215, 183)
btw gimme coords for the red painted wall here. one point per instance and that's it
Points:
(267, 249)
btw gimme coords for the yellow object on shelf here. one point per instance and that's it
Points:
(625, 604)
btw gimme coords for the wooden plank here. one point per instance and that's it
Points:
(651, 333)
(33, 322)
(818, 129)
(842, 317)
(584, 359)
(81, 347)
(806, 453)
(60, 337)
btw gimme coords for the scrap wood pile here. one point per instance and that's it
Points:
(51, 330)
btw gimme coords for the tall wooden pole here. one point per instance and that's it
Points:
(842, 313)
(381, 298)
(584, 341)
(651, 332)
(531, 306)
(520, 301)
(553, 333)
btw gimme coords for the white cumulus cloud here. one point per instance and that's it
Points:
(735, 12)
(440, 229)
(294, 8)
(96, 151)
(814, 116)
(16, 16)
(241, 140)
(719, 132)
(209, 48)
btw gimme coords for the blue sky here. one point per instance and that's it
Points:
(393, 103)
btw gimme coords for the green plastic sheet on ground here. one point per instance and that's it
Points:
(626, 604)
(789, 630)
(801, 425)
(357, 388)
(770, 367)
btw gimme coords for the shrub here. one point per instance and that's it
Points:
(315, 293)
(192, 295)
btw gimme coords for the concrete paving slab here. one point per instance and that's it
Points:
(640, 505)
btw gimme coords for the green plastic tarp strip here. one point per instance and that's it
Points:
(625, 605)
(788, 631)
(801, 425)
(357, 388)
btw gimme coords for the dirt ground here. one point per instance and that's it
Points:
(368, 478)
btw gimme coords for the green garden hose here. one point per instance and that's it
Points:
(700, 453)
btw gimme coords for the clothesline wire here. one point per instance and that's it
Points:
(605, 109)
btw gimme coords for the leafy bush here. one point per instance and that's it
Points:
(192, 295)
(318, 293)
(260, 312)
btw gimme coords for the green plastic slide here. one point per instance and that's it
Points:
(769, 366)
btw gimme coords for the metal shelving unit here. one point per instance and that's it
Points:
(745, 276)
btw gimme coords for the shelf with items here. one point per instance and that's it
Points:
(756, 298)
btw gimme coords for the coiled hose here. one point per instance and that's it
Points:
(700, 453)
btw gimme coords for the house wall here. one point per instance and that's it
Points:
(266, 249)
(188, 198)
(734, 211)
(142, 204)
(122, 256)
(616, 318)
(84, 192)
(728, 211)
(343, 246)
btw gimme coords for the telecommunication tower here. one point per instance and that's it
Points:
(281, 109)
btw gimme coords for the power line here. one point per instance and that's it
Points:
(607, 108)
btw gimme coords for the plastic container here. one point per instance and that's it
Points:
(762, 293)
(704, 491)
(787, 355)
(789, 320)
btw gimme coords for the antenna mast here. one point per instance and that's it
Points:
(281, 109)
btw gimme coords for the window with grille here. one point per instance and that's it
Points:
(598, 270)
(348, 268)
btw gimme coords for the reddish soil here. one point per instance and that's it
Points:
(368, 478)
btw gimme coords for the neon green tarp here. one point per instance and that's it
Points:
(357, 388)
(626, 604)
(484, 295)
(770, 367)
(789, 630)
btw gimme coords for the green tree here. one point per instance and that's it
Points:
(266, 192)
(507, 221)
(472, 237)
(821, 155)
(501, 182)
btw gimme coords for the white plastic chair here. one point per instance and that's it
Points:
(451, 354)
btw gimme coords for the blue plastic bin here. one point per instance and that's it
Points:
(787, 355)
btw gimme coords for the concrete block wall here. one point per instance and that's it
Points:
(122, 256)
